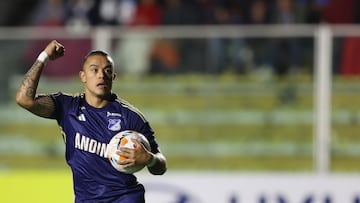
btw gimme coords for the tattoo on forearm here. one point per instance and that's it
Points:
(31, 79)
(42, 104)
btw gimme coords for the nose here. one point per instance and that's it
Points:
(101, 74)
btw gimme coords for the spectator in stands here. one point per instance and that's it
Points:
(117, 12)
(343, 12)
(82, 13)
(49, 13)
(312, 13)
(17, 12)
(52, 13)
(225, 53)
(186, 12)
(12, 13)
(285, 51)
(133, 51)
(164, 57)
(259, 48)
(175, 13)
(166, 53)
(147, 13)
(339, 11)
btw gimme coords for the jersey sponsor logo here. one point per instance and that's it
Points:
(108, 114)
(90, 145)
(114, 124)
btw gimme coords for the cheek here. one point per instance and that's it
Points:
(109, 77)
(88, 78)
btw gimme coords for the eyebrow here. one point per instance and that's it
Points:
(96, 66)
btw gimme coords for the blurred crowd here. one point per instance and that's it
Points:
(220, 54)
(176, 12)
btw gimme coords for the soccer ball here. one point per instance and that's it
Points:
(123, 139)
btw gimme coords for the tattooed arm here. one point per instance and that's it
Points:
(26, 96)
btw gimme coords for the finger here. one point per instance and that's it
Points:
(59, 49)
(139, 145)
(122, 153)
(126, 152)
(136, 143)
(126, 162)
(121, 157)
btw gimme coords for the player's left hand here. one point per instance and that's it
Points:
(137, 156)
(54, 50)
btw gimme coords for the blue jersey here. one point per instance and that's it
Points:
(87, 131)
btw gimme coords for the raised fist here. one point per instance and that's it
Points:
(54, 50)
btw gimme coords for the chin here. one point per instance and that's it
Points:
(104, 95)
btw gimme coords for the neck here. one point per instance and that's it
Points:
(97, 102)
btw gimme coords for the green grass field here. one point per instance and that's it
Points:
(40, 186)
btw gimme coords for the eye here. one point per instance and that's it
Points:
(108, 70)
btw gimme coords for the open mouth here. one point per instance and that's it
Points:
(102, 85)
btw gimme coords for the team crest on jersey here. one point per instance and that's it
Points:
(114, 124)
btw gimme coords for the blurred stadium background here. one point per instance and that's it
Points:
(228, 86)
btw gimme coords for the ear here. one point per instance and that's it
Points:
(82, 76)
(113, 76)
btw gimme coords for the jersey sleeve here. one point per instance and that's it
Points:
(139, 123)
(148, 132)
(60, 102)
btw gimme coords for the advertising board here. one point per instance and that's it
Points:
(208, 187)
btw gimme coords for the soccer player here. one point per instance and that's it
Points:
(88, 121)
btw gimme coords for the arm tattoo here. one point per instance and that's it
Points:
(31, 79)
(42, 105)
(45, 106)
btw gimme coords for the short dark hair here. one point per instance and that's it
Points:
(95, 52)
(101, 53)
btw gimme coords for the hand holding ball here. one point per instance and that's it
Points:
(124, 139)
